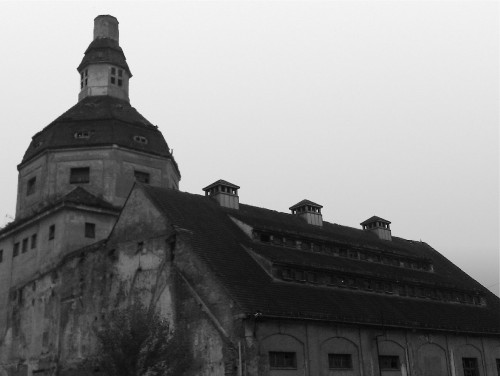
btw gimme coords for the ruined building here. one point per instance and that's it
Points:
(255, 291)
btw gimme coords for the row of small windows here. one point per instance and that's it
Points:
(306, 209)
(334, 250)
(81, 175)
(377, 286)
(288, 360)
(84, 77)
(31, 242)
(116, 77)
(221, 188)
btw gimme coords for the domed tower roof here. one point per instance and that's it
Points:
(100, 121)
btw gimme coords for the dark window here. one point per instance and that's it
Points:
(142, 177)
(33, 241)
(52, 232)
(16, 249)
(25, 245)
(79, 175)
(498, 360)
(470, 366)
(89, 230)
(388, 361)
(30, 189)
(141, 139)
(265, 238)
(1, 258)
(339, 361)
(281, 359)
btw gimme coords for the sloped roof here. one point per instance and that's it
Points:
(304, 202)
(221, 182)
(104, 51)
(78, 196)
(374, 219)
(218, 241)
(109, 121)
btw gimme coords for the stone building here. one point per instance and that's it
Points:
(255, 291)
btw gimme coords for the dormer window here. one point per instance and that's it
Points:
(84, 77)
(141, 139)
(116, 76)
(82, 134)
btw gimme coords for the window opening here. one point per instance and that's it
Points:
(116, 76)
(16, 250)
(1, 258)
(470, 366)
(83, 134)
(30, 189)
(79, 175)
(336, 361)
(282, 360)
(387, 362)
(141, 139)
(25, 245)
(89, 230)
(498, 360)
(52, 232)
(84, 78)
(142, 177)
(33, 241)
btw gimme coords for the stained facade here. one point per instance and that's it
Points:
(100, 222)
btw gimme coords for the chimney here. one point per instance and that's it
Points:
(379, 226)
(106, 26)
(225, 193)
(310, 211)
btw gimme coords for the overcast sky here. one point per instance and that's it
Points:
(367, 108)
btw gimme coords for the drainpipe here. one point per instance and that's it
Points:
(240, 362)
(378, 352)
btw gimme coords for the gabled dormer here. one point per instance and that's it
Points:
(225, 193)
(308, 210)
(104, 69)
(379, 226)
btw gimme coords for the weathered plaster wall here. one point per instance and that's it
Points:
(111, 175)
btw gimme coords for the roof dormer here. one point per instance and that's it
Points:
(104, 70)
(310, 211)
(225, 193)
(379, 226)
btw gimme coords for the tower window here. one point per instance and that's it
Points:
(25, 245)
(89, 230)
(282, 360)
(16, 250)
(83, 134)
(30, 189)
(84, 76)
(52, 232)
(79, 175)
(33, 241)
(1, 255)
(142, 177)
(116, 77)
(336, 361)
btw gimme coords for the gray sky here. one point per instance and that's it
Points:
(368, 108)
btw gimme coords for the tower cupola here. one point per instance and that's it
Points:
(225, 193)
(309, 211)
(104, 69)
(379, 226)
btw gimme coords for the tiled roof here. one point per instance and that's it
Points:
(104, 51)
(218, 241)
(109, 121)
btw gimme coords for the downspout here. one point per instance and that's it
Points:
(378, 352)
(240, 361)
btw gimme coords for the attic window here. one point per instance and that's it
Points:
(84, 78)
(117, 76)
(142, 177)
(82, 134)
(141, 139)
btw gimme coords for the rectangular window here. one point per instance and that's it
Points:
(336, 361)
(33, 241)
(388, 362)
(52, 232)
(79, 175)
(142, 177)
(1, 259)
(16, 250)
(30, 188)
(498, 360)
(25, 245)
(470, 366)
(282, 360)
(89, 230)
